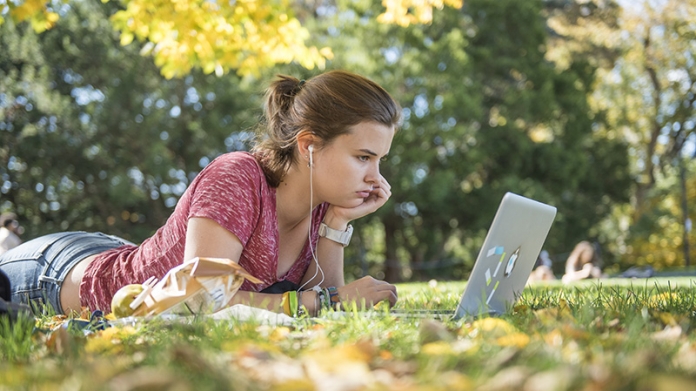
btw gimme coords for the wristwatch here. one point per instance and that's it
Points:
(342, 237)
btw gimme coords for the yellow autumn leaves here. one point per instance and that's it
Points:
(34, 11)
(216, 36)
(244, 35)
(584, 339)
(407, 12)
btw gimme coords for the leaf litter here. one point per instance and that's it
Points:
(590, 338)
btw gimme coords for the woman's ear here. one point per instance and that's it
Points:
(305, 140)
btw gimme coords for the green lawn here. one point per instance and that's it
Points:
(612, 334)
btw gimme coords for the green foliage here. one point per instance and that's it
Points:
(93, 138)
(109, 145)
(484, 113)
(646, 98)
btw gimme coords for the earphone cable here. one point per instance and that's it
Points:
(311, 223)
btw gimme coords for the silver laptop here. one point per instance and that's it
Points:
(506, 259)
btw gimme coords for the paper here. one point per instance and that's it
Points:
(198, 286)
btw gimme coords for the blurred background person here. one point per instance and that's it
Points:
(584, 262)
(9, 232)
(542, 269)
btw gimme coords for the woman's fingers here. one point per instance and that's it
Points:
(370, 291)
(384, 186)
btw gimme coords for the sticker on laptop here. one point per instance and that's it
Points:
(512, 262)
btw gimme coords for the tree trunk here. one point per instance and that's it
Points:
(392, 268)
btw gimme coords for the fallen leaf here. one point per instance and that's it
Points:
(59, 341)
(669, 333)
(551, 316)
(432, 331)
(507, 379)
(341, 368)
(571, 332)
(108, 340)
(572, 353)
(332, 358)
(489, 328)
(295, 385)
(279, 334)
(451, 380)
(666, 318)
(614, 323)
(502, 358)
(657, 382)
(554, 338)
(148, 378)
(599, 373)
(521, 309)
(685, 358)
(518, 340)
(385, 355)
(399, 368)
(439, 348)
(276, 371)
(553, 380)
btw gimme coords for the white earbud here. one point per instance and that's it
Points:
(311, 151)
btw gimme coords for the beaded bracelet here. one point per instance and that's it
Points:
(301, 310)
(320, 302)
(327, 298)
(334, 298)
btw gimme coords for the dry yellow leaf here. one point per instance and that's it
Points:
(490, 328)
(669, 333)
(438, 348)
(518, 340)
(666, 318)
(344, 367)
(554, 338)
(108, 340)
(685, 358)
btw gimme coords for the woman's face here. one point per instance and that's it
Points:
(345, 170)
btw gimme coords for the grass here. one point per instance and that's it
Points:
(613, 335)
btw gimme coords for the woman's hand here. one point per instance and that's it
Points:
(381, 191)
(367, 292)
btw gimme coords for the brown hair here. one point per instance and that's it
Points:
(326, 105)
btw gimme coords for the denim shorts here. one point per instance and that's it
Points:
(37, 268)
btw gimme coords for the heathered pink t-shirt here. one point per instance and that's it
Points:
(233, 191)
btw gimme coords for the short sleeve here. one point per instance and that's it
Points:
(228, 191)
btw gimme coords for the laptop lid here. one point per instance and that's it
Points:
(511, 247)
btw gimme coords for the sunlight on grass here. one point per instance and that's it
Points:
(610, 334)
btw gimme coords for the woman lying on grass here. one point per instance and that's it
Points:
(282, 211)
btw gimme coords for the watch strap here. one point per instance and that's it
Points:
(342, 237)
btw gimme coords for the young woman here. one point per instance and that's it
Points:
(282, 211)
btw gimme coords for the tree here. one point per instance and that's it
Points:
(648, 98)
(485, 113)
(93, 138)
